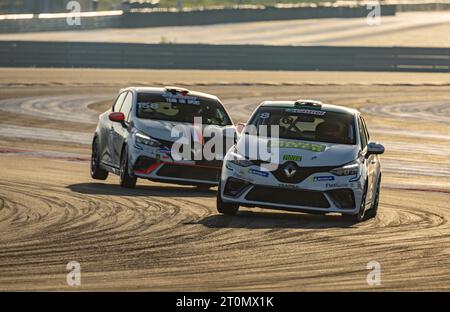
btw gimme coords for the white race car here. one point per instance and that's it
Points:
(135, 137)
(320, 161)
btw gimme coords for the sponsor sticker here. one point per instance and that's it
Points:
(306, 111)
(300, 145)
(264, 115)
(165, 150)
(264, 174)
(242, 175)
(323, 178)
(181, 99)
(292, 157)
(335, 185)
(147, 105)
(290, 186)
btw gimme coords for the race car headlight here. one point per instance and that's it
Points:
(352, 168)
(239, 160)
(142, 139)
(242, 162)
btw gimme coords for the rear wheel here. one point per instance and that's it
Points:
(228, 209)
(96, 171)
(126, 179)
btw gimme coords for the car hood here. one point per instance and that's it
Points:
(162, 130)
(306, 153)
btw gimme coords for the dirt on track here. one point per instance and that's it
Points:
(166, 237)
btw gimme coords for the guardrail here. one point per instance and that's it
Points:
(429, 6)
(12, 23)
(173, 17)
(170, 17)
(156, 18)
(227, 57)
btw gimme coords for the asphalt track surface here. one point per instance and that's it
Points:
(168, 237)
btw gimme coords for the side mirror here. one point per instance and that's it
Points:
(374, 149)
(117, 117)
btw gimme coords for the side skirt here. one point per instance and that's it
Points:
(110, 168)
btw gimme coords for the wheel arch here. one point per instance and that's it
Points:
(95, 137)
(122, 149)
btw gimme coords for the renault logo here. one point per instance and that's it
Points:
(290, 169)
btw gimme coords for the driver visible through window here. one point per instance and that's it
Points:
(308, 125)
(181, 108)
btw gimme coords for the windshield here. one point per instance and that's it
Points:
(307, 124)
(181, 108)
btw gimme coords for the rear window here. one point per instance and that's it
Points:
(309, 124)
(181, 108)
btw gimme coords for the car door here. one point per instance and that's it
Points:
(373, 164)
(370, 162)
(106, 130)
(120, 131)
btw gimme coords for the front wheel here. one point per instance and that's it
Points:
(96, 171)
(372, 212)
(361, 215)
(126, 179)
(228, 209)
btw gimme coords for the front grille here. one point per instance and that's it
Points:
(343, 198)
(301, 172)
(227, 144)
(225, 147)
(288, 197)
(190, 172)
(209, 163)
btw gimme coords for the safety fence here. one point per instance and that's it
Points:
(170, 17)
(246, 57)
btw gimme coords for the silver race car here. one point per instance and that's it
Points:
(135, 138)
(320, 160)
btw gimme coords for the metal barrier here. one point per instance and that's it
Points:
(230, 15)
(50, 22)
(172, 17)
(246, 57)
(156, 18)
(423, 7)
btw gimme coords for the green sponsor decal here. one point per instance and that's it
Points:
(300, 145)
(292, 157)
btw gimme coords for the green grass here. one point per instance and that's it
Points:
(114, 4)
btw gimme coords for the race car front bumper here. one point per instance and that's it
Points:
(177, 172)
(342, 200)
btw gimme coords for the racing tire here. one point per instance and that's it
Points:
(227, 209)
(97, 172)
(361, 215)
(126, 179)
(372, 212)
